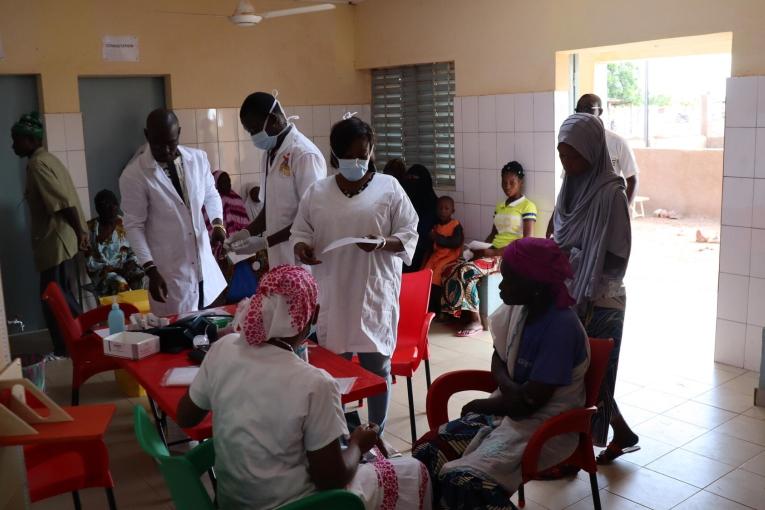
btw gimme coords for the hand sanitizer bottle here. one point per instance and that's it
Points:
(116, 319)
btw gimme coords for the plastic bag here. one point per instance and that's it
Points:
(243, 284)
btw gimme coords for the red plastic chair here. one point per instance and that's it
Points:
(413, 328)
(575, 420)
(54, 469)
(85, 347)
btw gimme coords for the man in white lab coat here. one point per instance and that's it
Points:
(163, 190)
(291, 163)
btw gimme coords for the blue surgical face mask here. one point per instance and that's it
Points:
(263, 140)
(353, 169)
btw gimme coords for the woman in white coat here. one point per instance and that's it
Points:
(359, 285)
(163, 190)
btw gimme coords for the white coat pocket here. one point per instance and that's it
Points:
(377, 312)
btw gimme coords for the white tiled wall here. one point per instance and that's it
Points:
(64, 139)
(218, 132)
(490, 131)
(741, 290)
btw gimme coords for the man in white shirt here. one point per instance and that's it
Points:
(291, 163)
(622, 157)
(164, 188)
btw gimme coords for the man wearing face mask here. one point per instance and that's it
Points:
(291, 162)
(163, 190)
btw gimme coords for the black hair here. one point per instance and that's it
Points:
(259, 103)
(446, 198)
(585, 102)
(103, 198)
(514, 168)
(394, 166)
(343, 135)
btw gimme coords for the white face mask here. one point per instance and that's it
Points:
(263, 140)
(352, 169)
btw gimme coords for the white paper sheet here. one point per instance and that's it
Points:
(236, 258)
(179, 376)
(345, 383)
(478, 245)
(350, 240)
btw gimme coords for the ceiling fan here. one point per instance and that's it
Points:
(246, 16)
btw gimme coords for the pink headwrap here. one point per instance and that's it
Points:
(543, 261)
(282, 307)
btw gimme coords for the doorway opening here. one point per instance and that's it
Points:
(667, 98)
(114, 114)
(20, 277)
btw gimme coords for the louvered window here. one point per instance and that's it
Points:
(413, 118)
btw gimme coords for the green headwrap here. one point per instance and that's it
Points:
(29, 125)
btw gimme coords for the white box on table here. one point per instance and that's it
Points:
(131, 344)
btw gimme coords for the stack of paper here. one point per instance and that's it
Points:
(179, 376)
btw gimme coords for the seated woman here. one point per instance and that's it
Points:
(514, 218)
(541, 355)
(234, 214)
(418, 185)
(396, 168)
(111, 264)
(278, 421)
(446, 240)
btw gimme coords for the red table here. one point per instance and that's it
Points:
(149, 371)
(89, 424)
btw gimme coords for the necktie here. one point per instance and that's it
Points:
(173, 173)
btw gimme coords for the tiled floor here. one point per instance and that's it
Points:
(703, 444)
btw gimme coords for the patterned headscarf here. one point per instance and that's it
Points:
(29, 125)
(282, 307)
(542, 261)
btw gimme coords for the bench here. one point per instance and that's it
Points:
(638, 202)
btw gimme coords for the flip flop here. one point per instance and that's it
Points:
(613, 452)
(464, 333)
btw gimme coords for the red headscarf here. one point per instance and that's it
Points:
(543, 261)
(282, 307)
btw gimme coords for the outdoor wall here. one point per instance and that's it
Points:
(208, 60)
(688, 181)
(508, 46)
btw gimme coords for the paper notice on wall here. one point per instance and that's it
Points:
(120, 48)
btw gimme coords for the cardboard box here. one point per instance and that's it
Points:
(131, 344)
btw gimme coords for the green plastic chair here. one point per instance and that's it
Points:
(182, 474)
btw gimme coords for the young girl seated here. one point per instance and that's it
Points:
(514, 218)
(278, 420)
(447, 238)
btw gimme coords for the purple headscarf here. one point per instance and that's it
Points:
(543, 261)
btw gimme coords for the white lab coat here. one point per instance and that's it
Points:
(297, 165)
(358, 291)
(162, 229)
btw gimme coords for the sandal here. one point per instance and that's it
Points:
(467, 332)
(612, 452)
